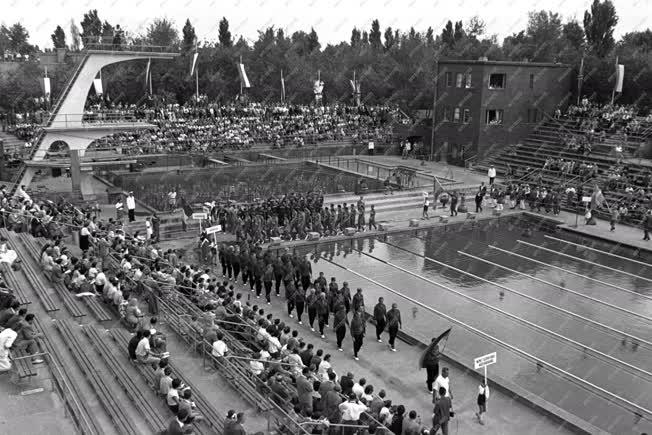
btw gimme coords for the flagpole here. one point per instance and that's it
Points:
(282, 88)
(580, 78)
(150, 83)
(613, 91)
(197, 83)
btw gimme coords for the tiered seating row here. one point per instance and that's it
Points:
(144, 406)
(42, 293)
(94, 305)
(110, 403)
(15, 288)
(213, 422)
(68, 389)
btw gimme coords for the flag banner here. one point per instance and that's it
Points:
(620, 76)
(150, 83)
(243, 76)
(282, 88)
(97, 84)
(147, 75)
(352, 86)
(194, 62)
(46, 87)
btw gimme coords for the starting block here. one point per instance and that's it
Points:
(443, 219)
(414, 222)
(470, 216)
(383, 226)
(496, 213)
(349, 231)
(313, 235)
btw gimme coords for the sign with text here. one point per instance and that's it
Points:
(484, 361)
(214, 229)
(586, 199)
(199, 216)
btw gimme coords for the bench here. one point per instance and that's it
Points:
(94, 305)
(67, 386)
(271, 157)
(15, 288)
(45, 298)
(144, 406)
(38, 280)
(22, 364)
(213, 420)
(113, 407)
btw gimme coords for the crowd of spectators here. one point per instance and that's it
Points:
(131, 274)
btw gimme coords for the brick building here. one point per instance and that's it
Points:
(484, 105)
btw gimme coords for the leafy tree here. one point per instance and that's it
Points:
(389, 39)
(224, 34)
(374, 35)
(355, 37)
(108, 32)
(75, 38)
(19, 39)
(365, 38)
(4, 39)
(313, 41)
(189, 37)
(430, 38)
(574, 34)
(162, 33)
(458, 34)
(544, 36)
(448, 34)
(476, 27)
(599, 26)
(58, 38)
(91, 27)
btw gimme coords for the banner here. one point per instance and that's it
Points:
(147, 76)
(97, 84)
(620, 76)
(282, 88)
(194, 62)
(46, 87)
(243, 76)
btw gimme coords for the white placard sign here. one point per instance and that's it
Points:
(199, 216)
(214, 229)
(484, 361)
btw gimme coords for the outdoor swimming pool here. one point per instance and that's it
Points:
(238, 183)
(569, 324)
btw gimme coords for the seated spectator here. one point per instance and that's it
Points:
(26, 339)
(144, 354)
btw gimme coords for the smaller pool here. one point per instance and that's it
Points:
(241, 183)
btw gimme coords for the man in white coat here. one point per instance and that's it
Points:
(491, 173)
(131, 207)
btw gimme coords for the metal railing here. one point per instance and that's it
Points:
(139, 48)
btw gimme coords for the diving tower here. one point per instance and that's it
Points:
(67, 124)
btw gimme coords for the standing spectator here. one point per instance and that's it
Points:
(647, 225)
(426, 204)
(304, 391)
(156, 226)
(491, 173)
(26, 339)
(442, 413)
(149, 232)
(442, 381)
(412, 426)
(613, 218)
(483, 396)
(380, 316)
(172, 199)
(131, 207)
(454, 203)
(358, 327)
(372, 218)
(351, 411)
(370, 147)
(394, 323)
(431, 364)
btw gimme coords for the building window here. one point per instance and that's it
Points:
(449, 79)
(447, 113)
(459, 78)
(494, 117)
(466, 118)
(456, 115)
(531, 81)
(497, 81)
(467, 81)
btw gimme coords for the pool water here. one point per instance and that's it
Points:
(596, 327)
(239, 183)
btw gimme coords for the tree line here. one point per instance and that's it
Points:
(394, 66)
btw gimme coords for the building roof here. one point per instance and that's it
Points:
(504, 63)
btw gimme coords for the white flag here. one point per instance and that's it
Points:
(620, 76)
(46, 87)
(243, 76)
(97, 84)
(149, 61)
(194, 62)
